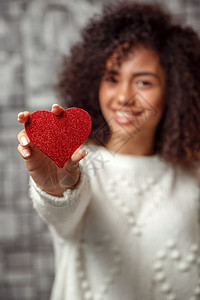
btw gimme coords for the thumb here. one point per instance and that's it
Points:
(69, 176)
(74, 160)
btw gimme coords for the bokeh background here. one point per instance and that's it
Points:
(34, 34)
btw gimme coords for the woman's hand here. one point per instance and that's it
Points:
(42, 169)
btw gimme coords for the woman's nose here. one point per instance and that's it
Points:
(121, 98)
(125, 95)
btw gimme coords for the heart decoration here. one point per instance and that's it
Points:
(111, 267)
(58, 136)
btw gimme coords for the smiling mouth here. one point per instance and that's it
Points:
(126, 114)
(125, 117)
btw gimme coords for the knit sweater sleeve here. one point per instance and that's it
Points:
(62, 213)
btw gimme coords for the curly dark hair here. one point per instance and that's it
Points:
(178, 47)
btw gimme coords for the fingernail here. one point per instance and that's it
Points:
(86, 153)
(25, 152)
(20, 114)
(24, 141)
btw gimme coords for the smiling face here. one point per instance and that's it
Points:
(131, 95)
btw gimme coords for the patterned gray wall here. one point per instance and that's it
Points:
(33, 36)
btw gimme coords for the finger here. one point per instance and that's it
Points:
(57, 109)
(78, 155)
(23, 116)
(23, 138)
(24, 151)
(73, 163)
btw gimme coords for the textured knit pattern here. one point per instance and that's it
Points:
(130, 230)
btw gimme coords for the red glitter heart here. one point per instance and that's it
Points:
(58, 136)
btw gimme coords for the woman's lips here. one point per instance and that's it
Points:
(126, 117)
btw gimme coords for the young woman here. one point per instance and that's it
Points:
(125, 219)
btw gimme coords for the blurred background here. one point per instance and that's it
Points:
(34, 34)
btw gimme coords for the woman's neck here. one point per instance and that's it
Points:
(137, 145)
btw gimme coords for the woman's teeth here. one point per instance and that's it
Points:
(124, 114)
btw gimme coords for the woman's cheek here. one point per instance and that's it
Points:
(154, 105)
(155, 99)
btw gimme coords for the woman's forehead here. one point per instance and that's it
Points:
(125, 52)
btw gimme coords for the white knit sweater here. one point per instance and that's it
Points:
(130, 230)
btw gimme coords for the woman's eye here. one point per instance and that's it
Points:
(110, 79)
(143, 83)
